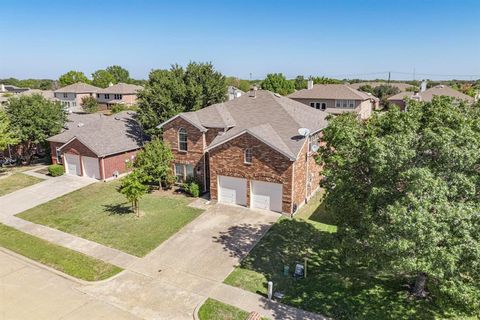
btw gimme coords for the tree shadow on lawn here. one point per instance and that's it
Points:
(332, 288)
(120, 209)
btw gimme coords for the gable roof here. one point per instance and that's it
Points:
(271, 118)
(427, 95)
(331, 91)
(78, 87)
(104, 135)
(121, 88)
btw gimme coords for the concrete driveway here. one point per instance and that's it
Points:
(178, 275)
(31, 292)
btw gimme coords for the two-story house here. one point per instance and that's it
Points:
(120, 93)
(336, 99)
(71, 96)
(256, 150)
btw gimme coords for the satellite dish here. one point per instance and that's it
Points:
(303, 132)
(315, 148)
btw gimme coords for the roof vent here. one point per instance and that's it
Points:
(117, 118)
(253, 91)
(310, 84)
(303, 132)
(277, 95)
(80, 124)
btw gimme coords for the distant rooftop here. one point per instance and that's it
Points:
(121, 88)
(78, 87)
(331, 91)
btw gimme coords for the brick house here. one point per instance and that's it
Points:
(97, 146)
(120, 93)
(336, 99)
(71, 96)
(248, 151)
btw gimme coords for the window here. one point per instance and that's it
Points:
(98, 96)
(183, 172)
(182, 139)
(65, 95)
(312, 104)
(59, 155)
(248, 156)
(107, 96)
(117, 96)
(317, 105)
(324, 106)
(345, 104)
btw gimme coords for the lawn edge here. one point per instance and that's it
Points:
(55, 271)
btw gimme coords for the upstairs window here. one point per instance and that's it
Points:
(248, 156)
(107, 96)
(118, 97)
(182, 139)
(65, 95)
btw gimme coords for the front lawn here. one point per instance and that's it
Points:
(216, 310)
(101, 214)
(68, 261)
(15, 182)
(331, 288)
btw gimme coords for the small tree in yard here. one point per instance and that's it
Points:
(89, 104)
(133, 188)
(155, 162)
(405, 190)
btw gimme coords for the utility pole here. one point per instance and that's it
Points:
(250, 76)
(388, 77)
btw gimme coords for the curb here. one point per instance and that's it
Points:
(197, 308)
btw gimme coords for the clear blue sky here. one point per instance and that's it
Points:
(333, 38)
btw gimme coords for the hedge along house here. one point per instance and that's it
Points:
(248, 151)
(97, 146)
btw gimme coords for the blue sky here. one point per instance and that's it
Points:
(332, 38)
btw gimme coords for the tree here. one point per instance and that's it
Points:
(102, 79)
(366, 88)
(155, 162)
(169, 92)
(72, 77)
(89, 104)
(119, 74)
(325, 80)
(384, 91)
(276, 82)
(133, 188)
(7, 136)
(300, 83)
(241, 84)
(404, 188)
(33, 119)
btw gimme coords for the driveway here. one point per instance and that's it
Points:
(31, 292)
(178, 275)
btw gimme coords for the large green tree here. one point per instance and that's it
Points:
(405, 189)
(89, 104)
(276, 82)
(7, 135)
(155, 162)
(33, 119)
(72, 77)
(169, 92)
(120, 74)
(102, 78)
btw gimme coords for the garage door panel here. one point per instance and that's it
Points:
(91, 167)
(266, 195)
(232, 190)
(72, 164)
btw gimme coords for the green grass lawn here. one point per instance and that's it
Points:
(101, 214)
(15, 182)
(68, 261)
(216, 310)
(331, 288)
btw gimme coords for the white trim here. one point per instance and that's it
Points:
(245, 156)
(255, 136)
(203, 129)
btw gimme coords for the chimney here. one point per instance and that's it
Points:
(110, 84)
(253, 91)
(309, 84)
(2, 87)
(423, 86)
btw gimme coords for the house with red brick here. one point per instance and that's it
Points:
(256, 150)
(96, 145)
(120, 93)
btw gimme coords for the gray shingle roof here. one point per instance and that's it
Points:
(331, 91)
(440, 90)
(104, 135)
(270, 117)
(121, 88)
(78, 87)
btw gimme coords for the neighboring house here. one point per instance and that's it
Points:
(336, 99)
(96, 145)
(7, 88)
(234, 92)
(120, 93)
(248, 151)
(47, 94)
(428, 94)
(71, 96)
(399, 85)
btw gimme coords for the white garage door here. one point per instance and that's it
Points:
(91, 167)
(266, 195)
(232, 190)
(72, 164)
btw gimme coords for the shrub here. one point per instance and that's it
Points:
(56, 170)
(89, 104)
(116, 108)
(192, 188)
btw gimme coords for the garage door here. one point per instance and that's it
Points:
(91, 167)
(266, 195)
(72, 164)
(232, 190)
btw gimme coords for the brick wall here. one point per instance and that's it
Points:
(117, 162)
(195, 146)
(53, 151)
(267, 165)
(76, 147)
